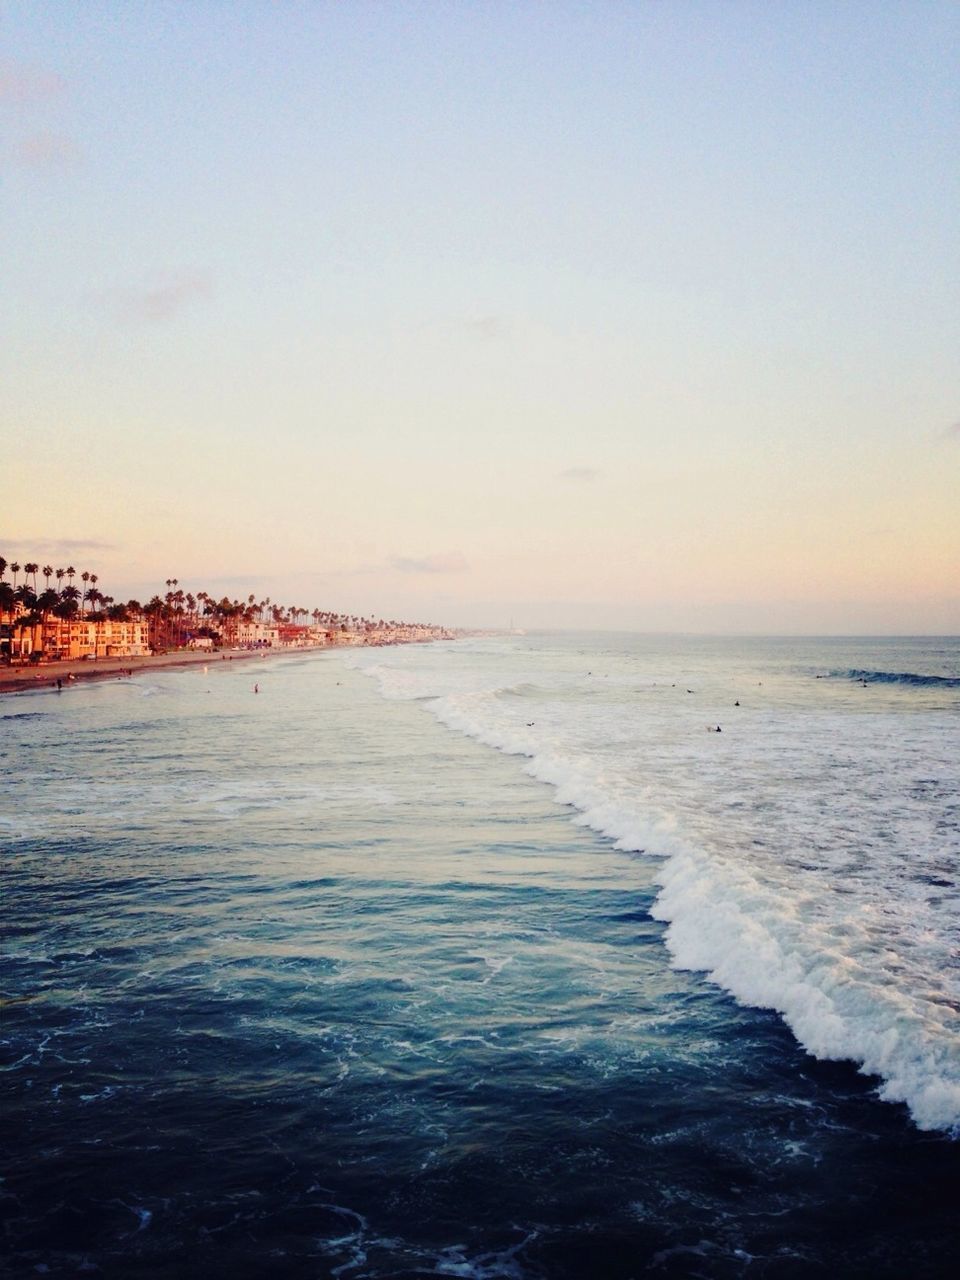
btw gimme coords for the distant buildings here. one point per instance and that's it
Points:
(65, 621)
(245, 633)
(56, 638)
(24, 637)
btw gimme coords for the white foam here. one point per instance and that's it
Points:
(794, 868)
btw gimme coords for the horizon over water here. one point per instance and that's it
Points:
(488, 958)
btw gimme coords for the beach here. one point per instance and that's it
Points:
(24, 676)
(17, 679)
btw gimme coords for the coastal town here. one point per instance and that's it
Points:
(51, 615)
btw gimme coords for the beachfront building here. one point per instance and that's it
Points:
(242, 633)
(18, 638)
(291, 635)
(94, 638)
(24, 637)
(350, 638)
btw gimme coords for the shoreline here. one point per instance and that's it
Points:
(82, 670)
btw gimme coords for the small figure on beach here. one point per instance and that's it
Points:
(737, 703)
(718, 729)
(256, 688)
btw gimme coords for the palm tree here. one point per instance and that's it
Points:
(154, 611)
(33, 569)
(14, 569)
(3, 567)
(59, 577)
(48, 573)
(25, 597)
(86, 578)
(67, 608)
(46, 603)
(71, 573)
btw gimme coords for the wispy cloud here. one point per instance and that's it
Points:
(45, 150)
(452, 562)
(581, 475)
(163, 300)
(55, 546)
(21, 83)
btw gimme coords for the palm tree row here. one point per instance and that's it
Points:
(173, 618)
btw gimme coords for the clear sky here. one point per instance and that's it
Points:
(638, 315)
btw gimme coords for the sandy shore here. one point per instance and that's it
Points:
(17, 679)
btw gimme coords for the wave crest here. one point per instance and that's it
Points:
(898, 677)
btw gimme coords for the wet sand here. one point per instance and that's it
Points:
(17, 679)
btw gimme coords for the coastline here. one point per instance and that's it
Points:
(81, 670)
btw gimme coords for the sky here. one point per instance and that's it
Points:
(596, 315)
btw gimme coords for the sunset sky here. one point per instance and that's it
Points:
(577, 314)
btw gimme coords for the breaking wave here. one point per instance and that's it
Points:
(899, 677)
(825, 952)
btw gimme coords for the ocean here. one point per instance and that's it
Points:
(489, 959)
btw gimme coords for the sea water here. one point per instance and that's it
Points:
(489, 959)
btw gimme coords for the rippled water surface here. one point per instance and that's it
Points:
(313, 982)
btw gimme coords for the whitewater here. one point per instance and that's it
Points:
(796, 803)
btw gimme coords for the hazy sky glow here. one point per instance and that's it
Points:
(629, 315)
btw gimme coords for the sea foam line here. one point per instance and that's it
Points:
(724, 922)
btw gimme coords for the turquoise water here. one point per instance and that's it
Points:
(309, 982)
